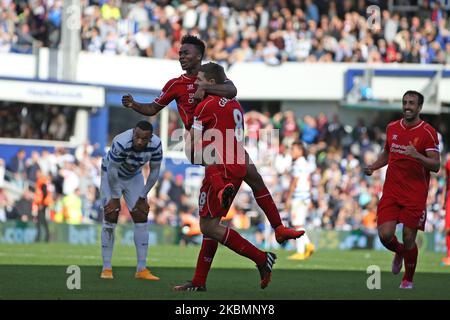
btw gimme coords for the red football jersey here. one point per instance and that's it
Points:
(182, 90)
(407, 180)
(221, 121)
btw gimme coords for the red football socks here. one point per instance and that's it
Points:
(235, 242)
(395, 246)
(266, 203)
(410, 257)
(204, 261)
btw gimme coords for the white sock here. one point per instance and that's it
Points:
(141, 243)
(108, 230)
(306, 238)
(301, 245)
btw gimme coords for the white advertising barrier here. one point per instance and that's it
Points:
(289, 81)
(17, 65)
(258, 81)
(255, 81)
(52, 93)
(123, 71)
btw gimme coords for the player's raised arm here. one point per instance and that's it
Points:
(379, 163)
(227, 90)
(147, 109)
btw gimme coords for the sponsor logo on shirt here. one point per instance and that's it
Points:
(398, 148)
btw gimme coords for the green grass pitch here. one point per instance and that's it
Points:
(38, 271)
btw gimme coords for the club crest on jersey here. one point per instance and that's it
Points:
(190, 86)
(223, 102)
(394, 137)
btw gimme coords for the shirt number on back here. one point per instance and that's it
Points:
(239, 121)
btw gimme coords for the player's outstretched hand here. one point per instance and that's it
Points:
(112, 206)
(141, 206)
(127, 100)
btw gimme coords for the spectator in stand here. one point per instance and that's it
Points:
(32, 166)
(42, 201)
(299, 30)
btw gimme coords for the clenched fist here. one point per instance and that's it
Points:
(127, 100)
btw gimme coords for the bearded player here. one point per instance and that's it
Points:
(411, 152)
(446, 260)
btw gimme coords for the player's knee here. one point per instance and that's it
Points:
(112, 217)
(204, 228)
(409, 242)
(207, 228)
(139, 217)
(385, 238)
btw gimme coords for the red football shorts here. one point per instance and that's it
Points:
(208, 202)
(389, 209)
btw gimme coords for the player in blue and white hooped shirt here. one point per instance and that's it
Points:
(298, 198)
(122, 175)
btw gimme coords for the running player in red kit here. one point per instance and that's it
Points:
(411, 151)
(219, 146)
(187, 94)
(446, 260)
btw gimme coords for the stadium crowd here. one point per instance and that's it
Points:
(43, 122)
(342, 197)
(235, 31)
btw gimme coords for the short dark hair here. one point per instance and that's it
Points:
(213, 71)
(300, 144)
(199, 44)
(416, 93)
(145, 126)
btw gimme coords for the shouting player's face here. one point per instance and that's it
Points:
(411, 108)
(189, 57)
(141, 138)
